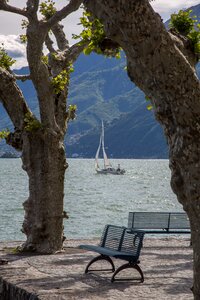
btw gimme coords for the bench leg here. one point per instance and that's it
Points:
(126, 266)
(100, 257)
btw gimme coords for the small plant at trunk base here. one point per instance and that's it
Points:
(93, 35)
(15, 250)
(185, 24)
(31, 123)
(5, 60)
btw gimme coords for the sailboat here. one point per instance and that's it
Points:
(108, 169)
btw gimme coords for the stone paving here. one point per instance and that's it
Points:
(166, 263)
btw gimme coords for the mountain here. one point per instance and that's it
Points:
(102, 90)
(106, 93)
(131, 130)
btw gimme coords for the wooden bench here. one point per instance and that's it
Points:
(159, 222)
(118, 242)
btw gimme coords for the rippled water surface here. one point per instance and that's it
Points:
(91, 200)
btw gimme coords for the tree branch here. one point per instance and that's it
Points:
(64, 12)
(62, 42)
(49, 44)
(6, 7)
(74, 51)
(32, 6)
(12, 99)
(36, 35)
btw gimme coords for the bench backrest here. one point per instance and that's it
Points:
(121, 239)
(158, 220)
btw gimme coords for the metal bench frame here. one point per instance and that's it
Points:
(118, 242)
(159, 222)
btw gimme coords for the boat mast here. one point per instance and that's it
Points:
(106, 161)
(97, 153)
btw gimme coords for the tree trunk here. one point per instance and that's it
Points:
(165, 73)
(195, 234)
(41, 139)
(44, 161)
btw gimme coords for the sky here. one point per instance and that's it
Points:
(10, 24)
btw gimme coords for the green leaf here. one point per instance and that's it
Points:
(5, 60)
(47, 9)
(4, 134)
(149, 107)
(87, 51)
(93, 34)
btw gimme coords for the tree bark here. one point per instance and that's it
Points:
(44, 161)
(158, 65)
(43, 158)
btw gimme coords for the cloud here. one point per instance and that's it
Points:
(15, 49)
(166, 8)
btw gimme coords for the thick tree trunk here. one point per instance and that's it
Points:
(166, 74)
(41, 140)
(195, 229)
(44, 161)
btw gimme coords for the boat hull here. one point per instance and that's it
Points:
(111, 171)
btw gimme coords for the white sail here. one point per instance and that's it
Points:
(108, 169)
(106, 161)
(97, 155)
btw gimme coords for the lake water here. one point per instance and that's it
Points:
(91, 200)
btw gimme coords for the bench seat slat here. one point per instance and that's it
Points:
(108, 252)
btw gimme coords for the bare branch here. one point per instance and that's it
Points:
(49, 44)
(12, 99)
(64, 12)
(6, 7)
(62, 42)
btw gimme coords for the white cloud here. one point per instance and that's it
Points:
(166, 8)
(15, 49)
